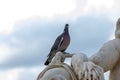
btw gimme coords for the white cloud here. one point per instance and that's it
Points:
(12, 11)
(21, 73)
(4, 52)
(100, 3)
(15, 10)
(108, 8)
(9, 75)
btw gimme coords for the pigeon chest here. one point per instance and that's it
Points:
(64, 43)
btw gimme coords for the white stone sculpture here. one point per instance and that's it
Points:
(57, 70)
(85, 69)
(81, 69)
(108, 57)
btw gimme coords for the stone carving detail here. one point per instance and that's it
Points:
(108, 57)
(57, 70)
(81, 69)
(85, 69)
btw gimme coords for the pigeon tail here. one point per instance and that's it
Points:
(47, 62)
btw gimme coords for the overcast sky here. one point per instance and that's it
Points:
(28, 29)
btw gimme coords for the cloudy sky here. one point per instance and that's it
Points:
(28, 29)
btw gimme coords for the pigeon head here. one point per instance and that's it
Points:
(66, 27)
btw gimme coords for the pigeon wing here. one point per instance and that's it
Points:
(56, 44)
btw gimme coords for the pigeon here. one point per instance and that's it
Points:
(61, 44)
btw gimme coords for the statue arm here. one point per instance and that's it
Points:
(107, 56)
